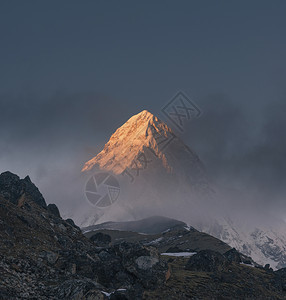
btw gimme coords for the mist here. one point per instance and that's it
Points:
(50, 139)
(71, 75)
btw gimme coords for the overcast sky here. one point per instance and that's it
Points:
(72, 72)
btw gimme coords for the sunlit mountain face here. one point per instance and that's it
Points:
(142, 135)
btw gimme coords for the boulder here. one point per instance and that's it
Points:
(233, 255)
(146, 262)
(72, 223)
(79, 289)
(53, 209)
(207, 261)
(101, 239)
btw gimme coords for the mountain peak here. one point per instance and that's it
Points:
(144, 114)
(141, 131)
(145, 138)
(145, 118)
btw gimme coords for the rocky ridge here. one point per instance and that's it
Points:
(43, 256)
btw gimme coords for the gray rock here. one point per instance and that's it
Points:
(79, 290)
(207, 261)
(101, 239)
(146, 262)
(12, 188)
(53, 209)
(50, 257)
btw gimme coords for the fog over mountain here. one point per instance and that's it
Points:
(242, 147)
(67, 85)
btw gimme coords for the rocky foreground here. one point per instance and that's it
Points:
(43, 256)
(46, 257)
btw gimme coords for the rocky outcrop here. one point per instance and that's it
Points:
(212, 261)
(207, 261)
(101, 239)
(53, 209)
(233, 256)
(12, 188)
(43, 256)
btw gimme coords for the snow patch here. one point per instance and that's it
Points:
(179, 254)
(155, 241)
(109, 294)
(249, 265)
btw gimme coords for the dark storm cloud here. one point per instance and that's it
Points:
(62, 122)
(243, 147)
(267, 159)
(56, 119)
